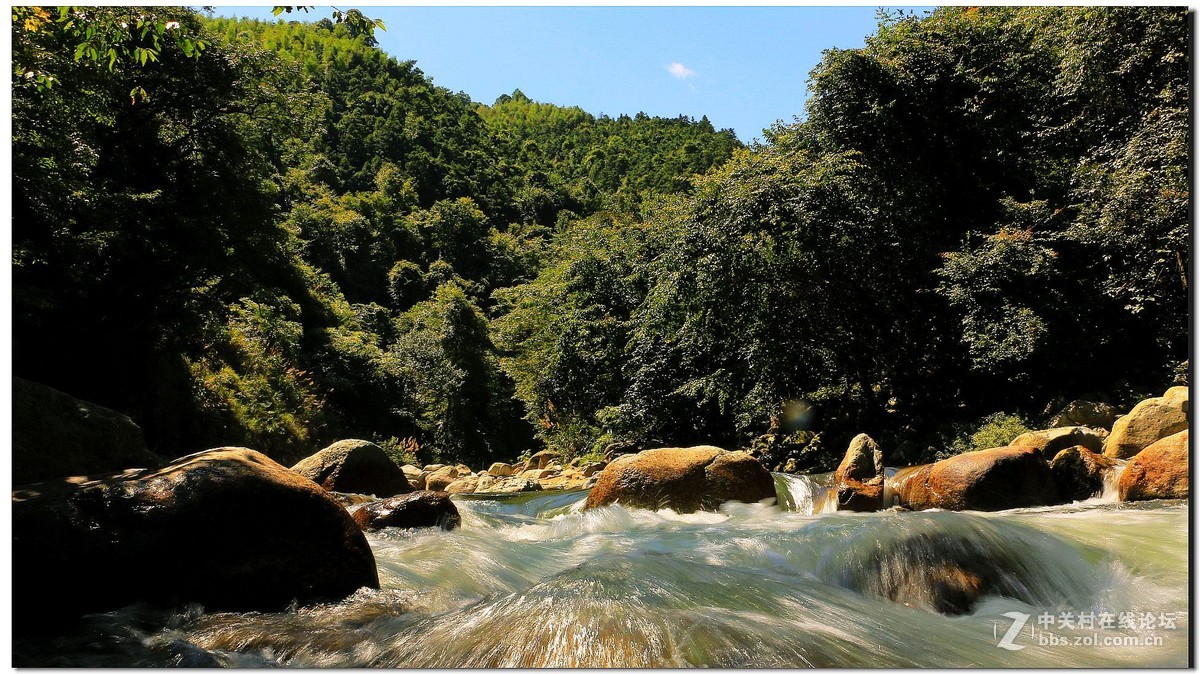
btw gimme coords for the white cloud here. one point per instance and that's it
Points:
(680, 71)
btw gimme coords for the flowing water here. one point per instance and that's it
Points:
(532, 580)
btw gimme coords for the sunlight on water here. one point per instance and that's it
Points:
(533, 581)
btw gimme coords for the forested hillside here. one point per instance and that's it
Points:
(291, 237)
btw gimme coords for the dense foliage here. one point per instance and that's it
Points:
(273, 234)
(286, 239)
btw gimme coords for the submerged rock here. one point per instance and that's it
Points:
(1148, 422)
(988, 479)
(948, 573)
(1158, 471)
(228, 528)
(683, 479)
(409, 511)
(859, 478)
(56, 435)
(1053, 440)
(356, 467)
(1079, 473)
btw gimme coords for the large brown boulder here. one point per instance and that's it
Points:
(859, 477)
(355, 467)
(1053, 440)
(1148, 422)
(1079, 473)
(228, 529)
(988, 479)
(409, 511)
(56, 435)
(683, 479)
(1158, 471)
(863, 459)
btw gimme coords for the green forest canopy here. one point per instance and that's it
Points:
(275, 235)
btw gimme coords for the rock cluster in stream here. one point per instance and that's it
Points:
(1046, 467)
(230, 529)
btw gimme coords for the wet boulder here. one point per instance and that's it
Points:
(1158, 471)
(683, 479)
(355, 467)
(228, 529)
(56, 435)
(942, 571)
(1085, 413)
(409, 511)
(1078, 473)
(859, 477)
(1051, 441)
(988, 479)
(1148, 422)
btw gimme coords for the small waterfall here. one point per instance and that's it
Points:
(893, 480)
(1111, 477)
(807, 494)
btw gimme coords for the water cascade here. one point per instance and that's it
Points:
(532, 580)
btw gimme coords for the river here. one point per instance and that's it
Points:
(533, 581)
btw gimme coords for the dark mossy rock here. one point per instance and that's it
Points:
(683, 479)
(228, 529)
(355, 467)
(1085, 413)
(56, 435)
(1079, 473)
(409, 511)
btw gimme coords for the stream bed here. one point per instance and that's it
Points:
(531, 580)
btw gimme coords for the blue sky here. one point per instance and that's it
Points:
(743, 67)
